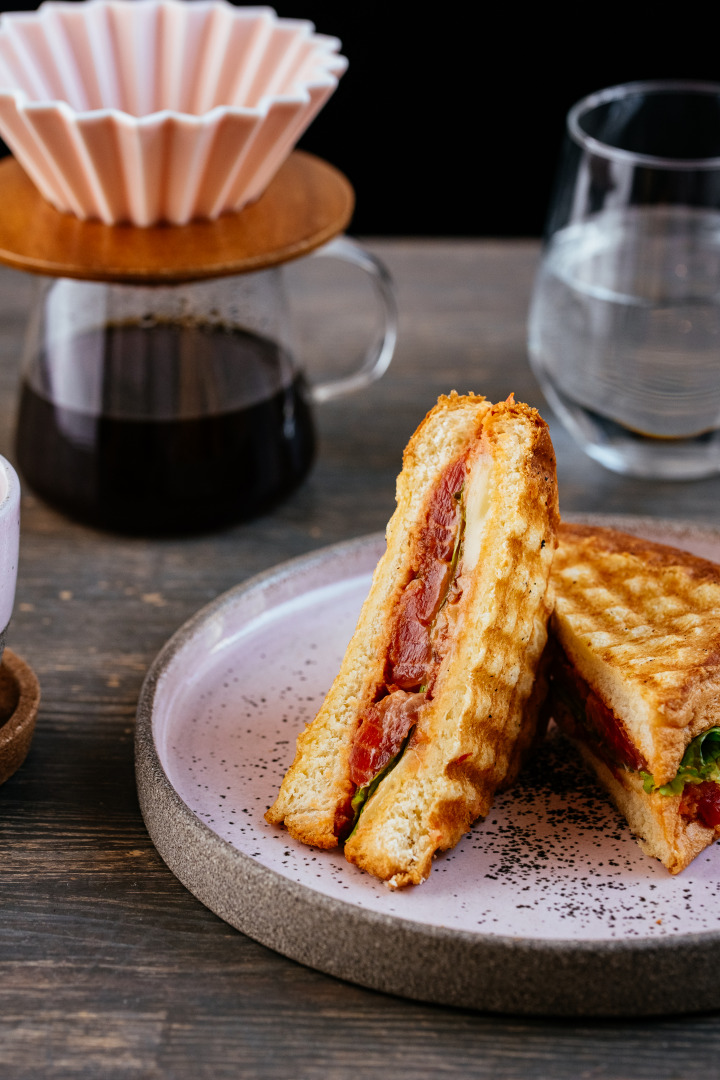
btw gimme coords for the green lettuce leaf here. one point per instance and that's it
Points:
(363, 793)
(701, 761)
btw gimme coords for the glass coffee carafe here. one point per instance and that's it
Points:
(176, 408)
(161, 390)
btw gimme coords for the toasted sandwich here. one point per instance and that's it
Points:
(635, 682)
(435, 702)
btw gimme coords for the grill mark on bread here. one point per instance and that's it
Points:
(641, 623)
(484, 701)
(649, 553)
(470, 738)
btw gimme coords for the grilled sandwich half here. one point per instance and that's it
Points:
(435, 700)
(636, 682)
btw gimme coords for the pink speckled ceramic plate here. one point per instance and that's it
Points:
(547, 906)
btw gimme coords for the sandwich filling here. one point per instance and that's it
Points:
(584, 716)
(421, 629)
(697, 781)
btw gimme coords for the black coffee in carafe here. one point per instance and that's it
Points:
(160, 425)
(153, 401)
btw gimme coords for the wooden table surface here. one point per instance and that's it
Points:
(108, 966)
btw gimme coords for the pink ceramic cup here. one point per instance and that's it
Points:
(9, 543)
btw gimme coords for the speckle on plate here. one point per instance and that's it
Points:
(553, 860)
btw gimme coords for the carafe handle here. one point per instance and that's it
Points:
(375, 360)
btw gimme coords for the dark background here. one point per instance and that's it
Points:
(450, 118)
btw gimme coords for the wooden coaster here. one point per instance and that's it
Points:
(19, 701)
(307, 203)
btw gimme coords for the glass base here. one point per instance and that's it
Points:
(632, 453)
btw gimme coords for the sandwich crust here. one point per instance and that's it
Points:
(471, 738)
(318, 780)
(471, 735)
(641, 623)
(661, 830)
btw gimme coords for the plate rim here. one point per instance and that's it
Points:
(498, 973)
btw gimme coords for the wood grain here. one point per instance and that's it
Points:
(108, 966)
(307, 203)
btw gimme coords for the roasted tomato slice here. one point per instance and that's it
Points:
(701, 802)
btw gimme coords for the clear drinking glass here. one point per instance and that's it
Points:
(624, 328)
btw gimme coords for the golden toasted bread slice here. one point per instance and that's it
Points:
(472, 711)
(638, 679)
(656, 820)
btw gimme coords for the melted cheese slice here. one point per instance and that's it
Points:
(477, 505)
